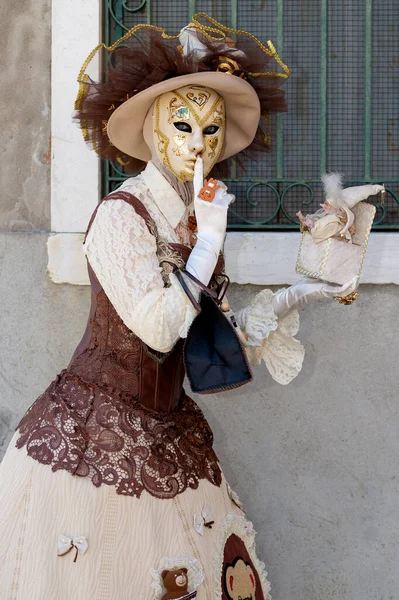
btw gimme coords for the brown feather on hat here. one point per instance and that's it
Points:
(147, 62)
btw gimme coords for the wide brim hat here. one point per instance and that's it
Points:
(146, 62)
(125, 126)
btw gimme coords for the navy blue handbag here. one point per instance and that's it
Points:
(214, 356)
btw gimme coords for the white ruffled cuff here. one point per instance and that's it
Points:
(271, 339)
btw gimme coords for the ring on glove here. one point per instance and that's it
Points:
(207, 192)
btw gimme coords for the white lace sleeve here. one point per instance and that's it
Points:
(271, 339)
(122, 254)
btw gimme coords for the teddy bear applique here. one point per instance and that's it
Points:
(176, 584)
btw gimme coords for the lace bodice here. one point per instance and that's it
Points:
(123, 254)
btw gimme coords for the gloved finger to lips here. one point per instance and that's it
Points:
(198, 176)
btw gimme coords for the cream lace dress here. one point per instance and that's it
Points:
(122, 544)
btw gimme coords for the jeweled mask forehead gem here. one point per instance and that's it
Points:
(182, 113)
(178, 110)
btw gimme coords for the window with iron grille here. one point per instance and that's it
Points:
(342, 97)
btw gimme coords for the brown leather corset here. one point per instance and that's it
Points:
(109, 353)
(109, 416)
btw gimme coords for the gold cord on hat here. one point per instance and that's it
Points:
(83, 76)
(220, 29)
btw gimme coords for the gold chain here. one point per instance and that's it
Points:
(347, 300)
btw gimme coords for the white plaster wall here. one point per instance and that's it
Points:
(75, 171)
(25, 135)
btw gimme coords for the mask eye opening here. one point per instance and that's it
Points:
(211, 130)
(182, 126)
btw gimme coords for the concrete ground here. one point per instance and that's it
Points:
(315, 463)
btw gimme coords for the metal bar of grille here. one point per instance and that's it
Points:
(323, 83)
(279, 123)
(367, 89)
(234, 14)
(191, 8)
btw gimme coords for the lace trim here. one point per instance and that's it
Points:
(240, 526)
(106, 435)
(272, 340)
(258, 319)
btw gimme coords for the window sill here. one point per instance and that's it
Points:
(260, 258)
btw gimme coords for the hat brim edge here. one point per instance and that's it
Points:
(125, 126)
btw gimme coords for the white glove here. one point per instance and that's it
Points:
(211, 223)
(307, 290)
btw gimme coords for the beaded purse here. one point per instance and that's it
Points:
(334, 239)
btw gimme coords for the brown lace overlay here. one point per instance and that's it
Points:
(118, 414)
(92, 431)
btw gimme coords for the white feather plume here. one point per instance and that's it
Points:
(332, 183)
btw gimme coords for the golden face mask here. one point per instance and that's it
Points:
(189, 122)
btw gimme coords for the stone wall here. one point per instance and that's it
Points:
(25, 151)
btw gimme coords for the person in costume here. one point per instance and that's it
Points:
(110, 487)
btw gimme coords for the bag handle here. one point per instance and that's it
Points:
(217, 296)
(187, 290)
(206, 290)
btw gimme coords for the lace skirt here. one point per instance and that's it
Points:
(121, 547)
